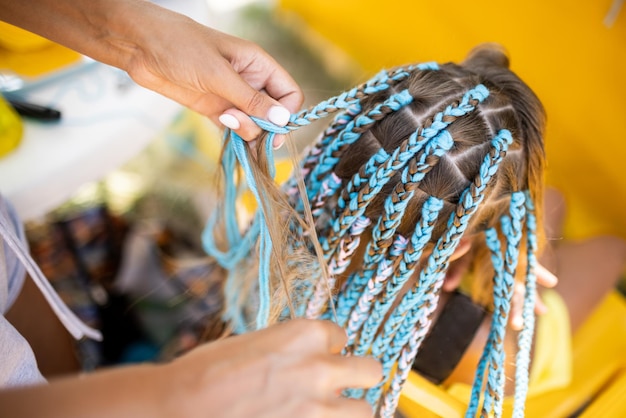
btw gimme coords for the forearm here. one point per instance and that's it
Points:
(110, 31)
(135, 391)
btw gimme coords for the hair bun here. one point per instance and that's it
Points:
(487, 54)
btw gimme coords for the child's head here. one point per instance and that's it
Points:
(421, 162)
(510, 105)
(443, 173)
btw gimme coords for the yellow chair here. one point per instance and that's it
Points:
(597, 387)
(11, 128)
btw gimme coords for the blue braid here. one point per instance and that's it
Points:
(503, 292)
(380, 82)
(525, 337)
(514, 234)
(374, 254)
(330, 156)
(418, 303)
(328, 188)
(421, 236)
(433, 136)
(494, 245)
(437, 146)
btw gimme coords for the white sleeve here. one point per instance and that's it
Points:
(18, 366)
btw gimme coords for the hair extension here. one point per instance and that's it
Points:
(493, 242)
(418, 304)
(503, 292)
(337, 265)
(415, 159)
(525, 337)
(405, 269)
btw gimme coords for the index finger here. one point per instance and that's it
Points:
(282, 87)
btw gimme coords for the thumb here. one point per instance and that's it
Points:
(251, 101)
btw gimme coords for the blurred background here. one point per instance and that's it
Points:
(125, 241)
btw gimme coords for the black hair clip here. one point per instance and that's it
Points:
(35, 111)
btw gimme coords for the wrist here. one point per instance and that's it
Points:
(120, 29)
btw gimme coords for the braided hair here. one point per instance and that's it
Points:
(415, 159)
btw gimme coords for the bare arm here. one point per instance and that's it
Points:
(103, 394)
(206, 70)
(289, 370)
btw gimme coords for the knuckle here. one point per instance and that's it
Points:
(317, 330)
(312, 330)
(320, 372)
(256, 101)
(375, 369)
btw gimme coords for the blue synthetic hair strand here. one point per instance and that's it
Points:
(351, 133)
(492, 361)
(417, 305)
(503, 292)
(525, 338)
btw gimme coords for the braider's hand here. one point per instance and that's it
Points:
(293, 369)
(220, 76)
(217, 75)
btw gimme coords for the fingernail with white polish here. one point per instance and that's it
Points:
(278, 115)
(278, 142)
(229, 121)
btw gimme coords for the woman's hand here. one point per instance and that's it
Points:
(217, 75)
(289, 370)
(293, 369)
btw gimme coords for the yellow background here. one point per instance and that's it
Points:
(30, 55)
(563, 50)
